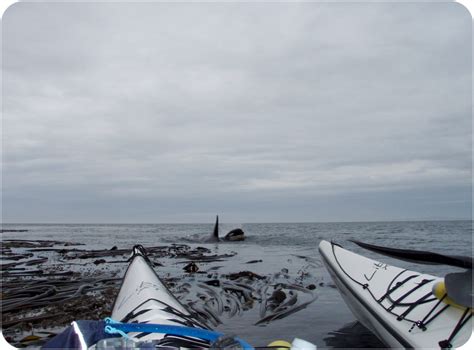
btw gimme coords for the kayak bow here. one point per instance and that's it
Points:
(397, 305)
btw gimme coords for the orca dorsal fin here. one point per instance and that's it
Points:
(215, 234)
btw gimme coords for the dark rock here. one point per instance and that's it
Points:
(191, 267)
(215, 283)
(278, 296)
(311, 287)
(248, 274)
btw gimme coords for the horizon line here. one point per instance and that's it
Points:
(212, 222)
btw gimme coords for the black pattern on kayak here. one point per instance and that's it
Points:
(396, 304)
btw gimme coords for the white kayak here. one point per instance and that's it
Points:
(402, 308)
(143, 298)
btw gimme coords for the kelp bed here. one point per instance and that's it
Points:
(48, 284)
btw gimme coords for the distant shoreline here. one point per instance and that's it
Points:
(232, 223)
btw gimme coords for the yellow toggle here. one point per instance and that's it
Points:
(439, 290)
(279, 345)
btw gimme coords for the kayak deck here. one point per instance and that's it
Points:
(144, 298)
(397, 305)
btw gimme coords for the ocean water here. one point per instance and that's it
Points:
(288, 247)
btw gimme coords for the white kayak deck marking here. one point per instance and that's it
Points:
(377, 266)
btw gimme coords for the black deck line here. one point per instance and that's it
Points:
(393, 332)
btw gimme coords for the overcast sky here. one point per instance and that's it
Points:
(257, 112)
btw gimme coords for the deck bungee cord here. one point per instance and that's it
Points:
(366, 286)
(391, 304)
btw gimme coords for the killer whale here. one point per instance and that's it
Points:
(215, 233)
(234, 235)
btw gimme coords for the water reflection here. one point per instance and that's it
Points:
(353, 335)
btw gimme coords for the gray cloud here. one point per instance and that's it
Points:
(233, 108)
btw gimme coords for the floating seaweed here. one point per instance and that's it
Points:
(46, 285)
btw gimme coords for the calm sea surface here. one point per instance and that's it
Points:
(292, 246)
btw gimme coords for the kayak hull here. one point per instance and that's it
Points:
(390, 301)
